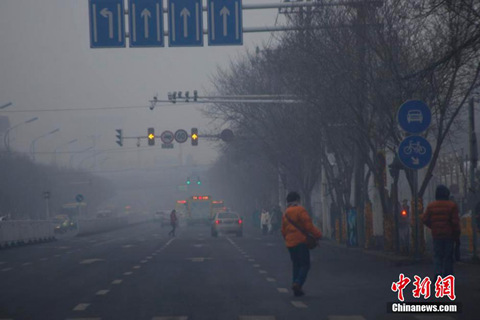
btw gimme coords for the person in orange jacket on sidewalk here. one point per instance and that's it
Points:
(295, 240)
(441, 216)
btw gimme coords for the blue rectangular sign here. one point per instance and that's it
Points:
(107, 27)
(185, 23)
(146, 23)
(225, 22)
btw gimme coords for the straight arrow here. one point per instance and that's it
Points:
(225, 13)
(185, 14)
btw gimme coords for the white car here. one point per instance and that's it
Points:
(227, 222)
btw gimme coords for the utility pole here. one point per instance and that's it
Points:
(473, 165)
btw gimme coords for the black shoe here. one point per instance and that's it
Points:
(297, 290)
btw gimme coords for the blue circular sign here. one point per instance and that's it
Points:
(415, 152)
(414, 116)
(79, 198)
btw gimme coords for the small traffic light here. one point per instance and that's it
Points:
(195, 95)
(194, 137)
(198, 181)
(151, 136)
(404, 213)
(188, 181)
(119, 137)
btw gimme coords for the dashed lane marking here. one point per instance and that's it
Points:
(251, 260)
(262, 271)
(136, 267)
(171, 318)
(26, 264)
(144, 261)
(271, 280)
(299, 304)
(149, 257)
(102, 292)
(118, 281)
(81, 307)
(351, 318)
(90, 261)
(256, 318)
(128, 246)
(127, 273)
(44, 259)
(256, 266)
(282, 290)
(7, 269)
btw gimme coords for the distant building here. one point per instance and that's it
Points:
(4, 125)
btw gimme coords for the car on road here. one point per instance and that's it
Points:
(227, 222)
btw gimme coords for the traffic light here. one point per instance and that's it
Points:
(188, 181)
(151, 136)
(198, 181)
(194, 137)
(119, 137)
(404, 213)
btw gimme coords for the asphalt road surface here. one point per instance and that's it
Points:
(141, 273)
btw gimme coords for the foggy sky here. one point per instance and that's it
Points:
(46, 63)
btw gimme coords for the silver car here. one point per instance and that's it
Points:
(227, 222)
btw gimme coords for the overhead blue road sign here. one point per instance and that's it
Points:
(415, 152)
(225, 22)
(414, 116)
(107, 27)
(146, 23)
(185, 23)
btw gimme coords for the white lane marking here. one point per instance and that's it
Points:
(136, 267)
(256, 266)
(271, 280)
(81, 307)
(7, 269)
(171, 318)
(90, 261)
(149, 257)
(251, 260)
(26, 264)
(169, 241)
(118, 281)
(256, 317)
(144, 261)
(262, 271)
(69, 252)
(199, 259)
(282, 290)
(127, 273)
(44, 259)
(102, 292)
(362, 318)
(299, 304)
(128, 246)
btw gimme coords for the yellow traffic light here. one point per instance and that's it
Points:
(194, 136)
(151, 136)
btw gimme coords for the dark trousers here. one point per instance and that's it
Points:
(300, 256)
(443, 256)
(172, 232)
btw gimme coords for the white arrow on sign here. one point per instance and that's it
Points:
(108, 14)
(415, 161)
(146, 15)
(225, 13)
(185, 14)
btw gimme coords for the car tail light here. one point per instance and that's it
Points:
(240, 221)
(217, 221)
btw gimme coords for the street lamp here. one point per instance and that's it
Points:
(6, 105)
(6, 136)
(32, 145)
(61, 146)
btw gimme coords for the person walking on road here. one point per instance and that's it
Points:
(441, 216)
(173, 222)
(296, 217)
(264, 221)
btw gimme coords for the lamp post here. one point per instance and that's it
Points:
(32, 145)
(61, 146)
(6, 137)
(6, 105)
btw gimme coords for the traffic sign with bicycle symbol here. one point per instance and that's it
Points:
(415, 152)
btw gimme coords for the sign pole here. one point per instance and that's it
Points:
(415, 210)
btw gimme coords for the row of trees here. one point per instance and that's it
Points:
(23, 185)
(351, 66)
